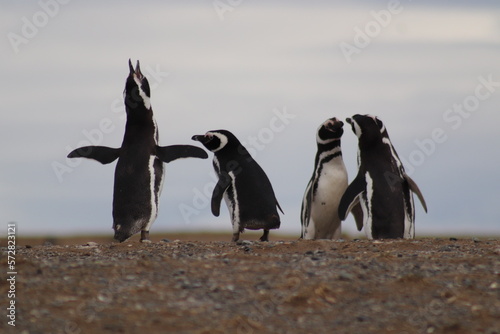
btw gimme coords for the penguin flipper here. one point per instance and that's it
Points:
(218, 193)
(351, 197)
(174, 152)
(413, 187)
(103, 154)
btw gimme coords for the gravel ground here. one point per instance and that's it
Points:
(425, 285)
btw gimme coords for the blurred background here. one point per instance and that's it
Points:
(269, 71)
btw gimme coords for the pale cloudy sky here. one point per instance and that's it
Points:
(269, 71)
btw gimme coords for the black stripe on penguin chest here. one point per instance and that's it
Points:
(319, 169)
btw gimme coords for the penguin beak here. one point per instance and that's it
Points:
(137, 72)
(200, 138)
(131, 68)
(348, 120)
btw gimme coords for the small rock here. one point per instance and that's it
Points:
(243, 242)
(104, 298)
(345, 276)
(453, 239)
(476, 308)
(165, 240)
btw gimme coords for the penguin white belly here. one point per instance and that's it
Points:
(153, 199)
(324, 207)
(366, 206)
(409, 232)
(231, 199)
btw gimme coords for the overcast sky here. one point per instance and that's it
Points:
(271, 72)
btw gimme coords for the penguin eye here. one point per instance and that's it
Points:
(209, 135)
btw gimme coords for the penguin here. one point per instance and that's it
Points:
(245, 187)
(138, 179)
(319, 216)
(381, 187)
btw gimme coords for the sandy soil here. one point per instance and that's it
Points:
(206, 284)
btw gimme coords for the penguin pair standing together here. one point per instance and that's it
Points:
(139, 172)
(379, 197)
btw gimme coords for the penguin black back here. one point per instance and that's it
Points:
(243, 183)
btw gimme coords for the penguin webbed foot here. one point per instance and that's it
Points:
(265, 236)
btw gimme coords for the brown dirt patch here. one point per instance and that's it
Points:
(196, 285)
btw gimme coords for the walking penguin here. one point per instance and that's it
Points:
(382, 186)
(245, 187)
(139, 171)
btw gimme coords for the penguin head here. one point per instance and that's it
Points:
(125, 231)
(137, 92)
(330, 130)
(367, 128)
(217, 140)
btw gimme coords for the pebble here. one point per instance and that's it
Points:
(244, 242)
